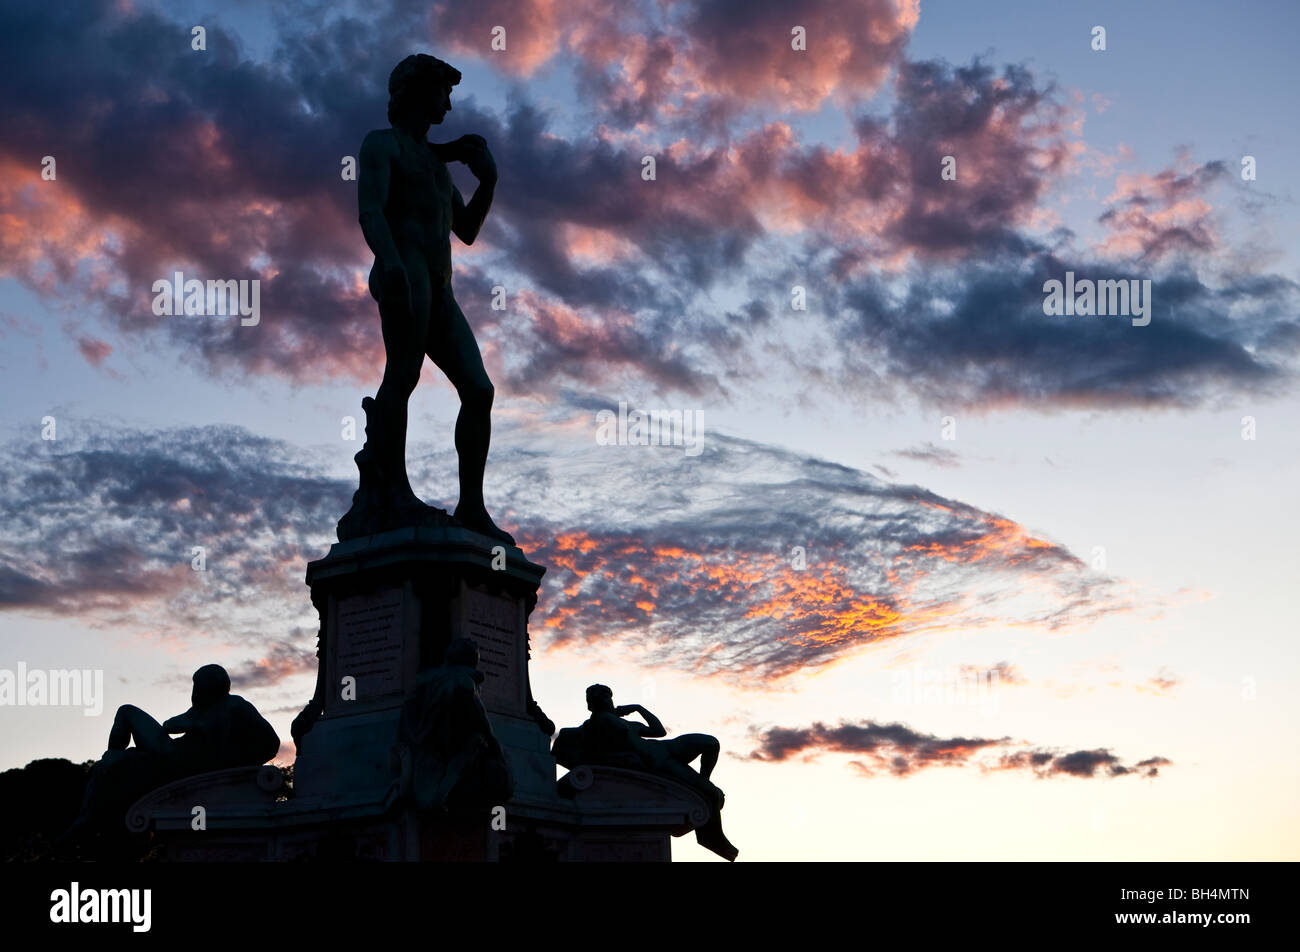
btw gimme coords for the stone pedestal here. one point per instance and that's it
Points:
(389, 606)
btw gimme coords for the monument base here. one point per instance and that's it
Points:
(596, 814)
(390, 605)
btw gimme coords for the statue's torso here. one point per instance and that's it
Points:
(419, 208)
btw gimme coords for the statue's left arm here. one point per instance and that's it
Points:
(180, 723)
(467, 219)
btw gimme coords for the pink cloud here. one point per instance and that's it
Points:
(95, 351)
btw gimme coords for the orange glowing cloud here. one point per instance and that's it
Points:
(816, 607)
(995, 538)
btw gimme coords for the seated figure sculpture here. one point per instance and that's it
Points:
(609, 738)
(457, 762)
(220, 730)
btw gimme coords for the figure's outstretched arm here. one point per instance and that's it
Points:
(654, 727)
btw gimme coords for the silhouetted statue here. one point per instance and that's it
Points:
(219, 731)
(456, 760)
(609, 738)
(409, 209)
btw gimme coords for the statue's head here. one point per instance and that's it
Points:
(600, 698)
(211, 684)
(462, 651)
(419, 90)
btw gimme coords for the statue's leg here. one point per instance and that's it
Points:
(451, 345)
(687, 747)
(405, 329)
(106, 778)
(131, 723)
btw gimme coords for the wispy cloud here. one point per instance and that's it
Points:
(932, 454)
(746, 560)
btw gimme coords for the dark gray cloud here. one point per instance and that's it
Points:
(1081, 763)
(976, 335)
(931, 453)
(1005, 132)
(229, 167)
(173, 148)
(900, 750)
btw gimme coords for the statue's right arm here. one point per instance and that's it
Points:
(654, 727)
(377, 154)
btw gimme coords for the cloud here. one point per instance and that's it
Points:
(532, 29)
(932, 454)
(900, 750)
(1161, 215)
(920, 287)
(106, 527)
(642, 60)
(742, 49)
(1007, 135)
(746, 562)
(181, 176)
(1162, 684)
(283, 659)
(976, 336)
(1080, 763)
(751, 562)
(95, 351)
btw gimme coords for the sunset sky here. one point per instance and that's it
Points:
(950, 579)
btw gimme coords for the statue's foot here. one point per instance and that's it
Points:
(477, 518)
(413, 511)
(725, 849)
(376, 511)
(711, 837)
